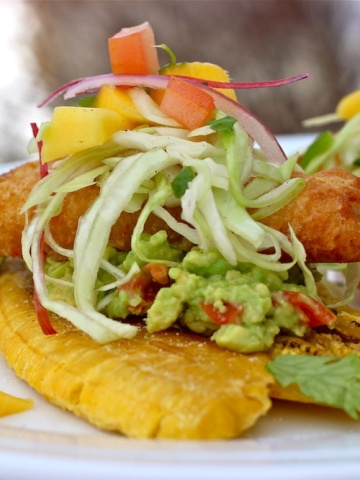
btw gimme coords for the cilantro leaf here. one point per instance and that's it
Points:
(171, 54)
(328, 380)
(86, 101)
(180, 183)
(224, 124)
(320, 145)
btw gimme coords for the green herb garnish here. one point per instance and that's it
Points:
(320, 145)
(180, 183)
(171, 54)
(87, 101)
(224, 124)
(328, 380)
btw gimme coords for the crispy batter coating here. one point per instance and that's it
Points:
(325, 216)
(16, 186)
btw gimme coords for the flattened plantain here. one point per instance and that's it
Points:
(9, 404)
(339, 342)
(166, 385)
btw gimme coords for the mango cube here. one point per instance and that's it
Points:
(73, 129)
(349, 106)
(117, 99)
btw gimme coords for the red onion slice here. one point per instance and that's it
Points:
(84, 85)
(92, 84)
(44, 168)
(41, 312)
(247, 85)
(251, 124)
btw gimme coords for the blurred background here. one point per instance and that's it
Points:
(44, 44)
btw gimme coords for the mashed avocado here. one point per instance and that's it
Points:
(199, 290)
(205, 279)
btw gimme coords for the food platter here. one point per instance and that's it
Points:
(292, 441)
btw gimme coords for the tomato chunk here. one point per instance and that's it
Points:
(314, 313)
(187, 103)
(232, 313)
(133, 50)
(159, 272)
(144, 286)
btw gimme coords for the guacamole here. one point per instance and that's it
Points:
(198, 290)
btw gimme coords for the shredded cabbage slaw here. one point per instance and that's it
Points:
(134, 171)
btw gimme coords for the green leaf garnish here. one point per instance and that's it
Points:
(180, 183)
(328, 380)
(357, 162)
(171, 54)
(224, 124)
(320, 145)
(87, 101)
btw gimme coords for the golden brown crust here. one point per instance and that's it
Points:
(166, 385)
(15, 187)
(325, 217)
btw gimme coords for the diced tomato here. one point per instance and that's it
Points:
(314, 313)
(159, 272)
(187, 103)
(133, 50)
(232, 314)
(144, 287)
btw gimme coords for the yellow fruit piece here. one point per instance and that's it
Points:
(117, 99)
(73, 129)
(10, 404)
(207, 71)
(349, 105)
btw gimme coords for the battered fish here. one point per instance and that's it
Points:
(15, 187)
(325, 216)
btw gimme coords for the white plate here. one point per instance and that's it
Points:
(292, 441)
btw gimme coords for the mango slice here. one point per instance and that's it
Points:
(205, 70)
(349, 105)
(73, 129)
(117, 99)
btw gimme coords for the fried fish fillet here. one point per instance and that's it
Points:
(15, 187)
(325, 216)
(166, 385)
